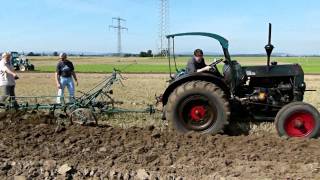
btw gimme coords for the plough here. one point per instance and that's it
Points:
(83, 109)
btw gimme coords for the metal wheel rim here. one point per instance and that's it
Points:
(299, 124)
(206, 118)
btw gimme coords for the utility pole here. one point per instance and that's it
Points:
(119, 28)
(163, 27)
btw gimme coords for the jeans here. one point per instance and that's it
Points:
(7, 91)
(66, 82)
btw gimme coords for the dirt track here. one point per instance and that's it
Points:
(36, 150)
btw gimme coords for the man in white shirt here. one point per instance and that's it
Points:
(7, 78)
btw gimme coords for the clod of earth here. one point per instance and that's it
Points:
(36, 151)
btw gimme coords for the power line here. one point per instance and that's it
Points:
(163, 26)
(119, 28)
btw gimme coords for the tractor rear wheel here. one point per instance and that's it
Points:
(31, 67)
(198, 106)
(298, 119)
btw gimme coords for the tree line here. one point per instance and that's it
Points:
(147, 53)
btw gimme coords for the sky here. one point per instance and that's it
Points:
(83, 25)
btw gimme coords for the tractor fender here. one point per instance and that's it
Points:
(218, 81)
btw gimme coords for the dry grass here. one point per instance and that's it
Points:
(312, 97)
(51, 60)
(138, 91)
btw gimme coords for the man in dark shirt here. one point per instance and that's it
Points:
(197, 64)
(63, 75)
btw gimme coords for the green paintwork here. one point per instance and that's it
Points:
(224, 42)
(20, 62)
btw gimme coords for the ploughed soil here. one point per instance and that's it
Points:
(36, 149)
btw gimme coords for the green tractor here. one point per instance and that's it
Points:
(20, 62)
(206, 102)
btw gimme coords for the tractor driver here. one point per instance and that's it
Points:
(197, 64)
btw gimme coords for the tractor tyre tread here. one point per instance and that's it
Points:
(201, 85)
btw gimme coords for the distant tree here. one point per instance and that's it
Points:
(146, 54)
(30, 54)
(55, 53)
(143, 54)
(149, 53)
(33, 54)
(127, 55)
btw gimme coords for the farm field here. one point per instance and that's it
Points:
(141, 146)
(311, 65)
(251, 110)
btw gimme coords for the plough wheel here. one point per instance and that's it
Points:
(83, 116)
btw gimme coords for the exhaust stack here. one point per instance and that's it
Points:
(269, 47)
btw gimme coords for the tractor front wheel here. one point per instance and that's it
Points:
(298, 119)
(198, 106)
(22, 67)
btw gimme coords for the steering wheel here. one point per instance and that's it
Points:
(214, 64)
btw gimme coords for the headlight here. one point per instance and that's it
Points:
(302, 86)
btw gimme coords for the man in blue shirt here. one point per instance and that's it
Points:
(63, 75)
